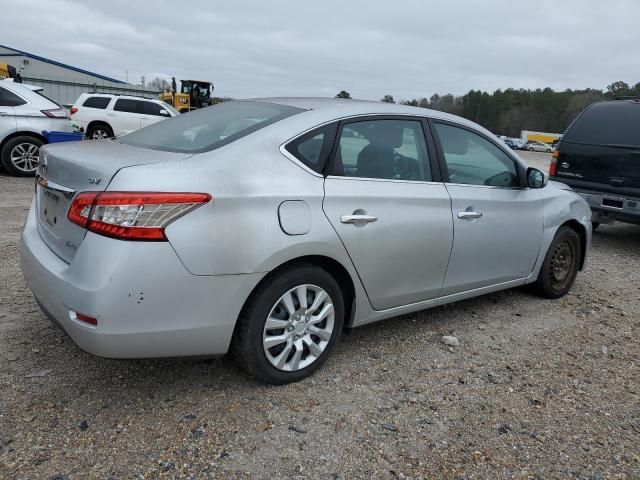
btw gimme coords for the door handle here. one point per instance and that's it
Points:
(466, 215)
(4, 114)
(358, 218)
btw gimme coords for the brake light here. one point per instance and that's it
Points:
(553, 167)
(73, 110)
(132, 215)
(56, 113)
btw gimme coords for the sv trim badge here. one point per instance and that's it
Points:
(94, 181)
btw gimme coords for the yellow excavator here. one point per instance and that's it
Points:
(7, 71)
(193, 94)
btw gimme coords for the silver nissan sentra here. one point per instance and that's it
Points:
(268, 226)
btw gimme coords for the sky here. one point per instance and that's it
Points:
(405, 48)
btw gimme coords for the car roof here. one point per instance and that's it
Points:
(9, 83)
(342, 107)
(116, 95)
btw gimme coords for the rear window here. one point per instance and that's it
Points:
(10, 99)
(607, 123)
(97, 102)
(208, 128)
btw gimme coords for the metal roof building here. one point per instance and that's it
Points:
(64, 83)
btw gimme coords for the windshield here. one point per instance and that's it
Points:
(210, 127)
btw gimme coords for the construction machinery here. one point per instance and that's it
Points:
(7, 71)
(193, 94)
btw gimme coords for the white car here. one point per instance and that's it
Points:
(539, 147)
(24, 115)
(102, 115)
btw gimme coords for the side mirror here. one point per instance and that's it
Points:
(536, 178)
(164, 113)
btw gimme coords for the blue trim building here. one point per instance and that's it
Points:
(62, 82)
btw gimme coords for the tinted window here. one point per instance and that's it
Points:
(313, 148)
(151, 108)
(473, 160)
(387, 149)
(97, 102)
(129, 105)
(607, 123)
(10, 99)
(210, 127)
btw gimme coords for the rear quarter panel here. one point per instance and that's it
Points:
(239, 230)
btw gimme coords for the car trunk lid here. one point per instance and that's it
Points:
(72, 167)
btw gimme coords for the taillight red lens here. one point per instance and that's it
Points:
(56, 113)
(132, 215)
(73, 110)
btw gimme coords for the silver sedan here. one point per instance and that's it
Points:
(268, 226)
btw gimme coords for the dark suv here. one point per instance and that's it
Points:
(599, 157)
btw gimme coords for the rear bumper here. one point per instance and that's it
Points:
(146, 303)
(609, 207)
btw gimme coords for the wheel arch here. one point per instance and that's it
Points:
(330, 265)
(582, 233)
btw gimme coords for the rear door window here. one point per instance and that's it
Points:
(607, 123)
(10, 99)
(97, 102)
(129, 105)
(384, 149)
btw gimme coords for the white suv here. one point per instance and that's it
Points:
(102, 115)
(24, 114)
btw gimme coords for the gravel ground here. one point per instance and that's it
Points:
(536, 389)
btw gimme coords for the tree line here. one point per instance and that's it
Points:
(508, 112)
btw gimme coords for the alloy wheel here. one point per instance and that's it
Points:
(298, 328)
(99, 134)
(24, 157)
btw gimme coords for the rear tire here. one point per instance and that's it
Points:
(99, 131)
(278, 301)
(20, 155)
(560, 266)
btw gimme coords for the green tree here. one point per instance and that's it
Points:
(343, 94)
(618, 89)
(388, 99)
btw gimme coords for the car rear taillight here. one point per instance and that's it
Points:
(132, 215)
(56, 113)
(73, 110)
(553, 167)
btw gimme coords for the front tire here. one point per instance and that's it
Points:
(290, 325)
(20, 155)
(560, 266)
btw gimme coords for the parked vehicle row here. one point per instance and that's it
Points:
(267, 226)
